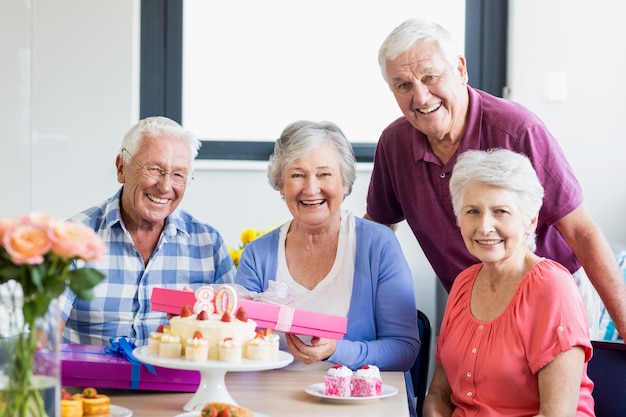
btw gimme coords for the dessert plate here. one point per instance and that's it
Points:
(319, 390)
(117, 411)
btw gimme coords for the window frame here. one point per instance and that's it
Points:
(162, 61)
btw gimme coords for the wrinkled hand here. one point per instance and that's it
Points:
(319, 349)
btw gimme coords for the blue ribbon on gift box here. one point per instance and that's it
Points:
(123, 346)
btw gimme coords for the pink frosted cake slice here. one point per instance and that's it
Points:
(367, 382)
(337, 381)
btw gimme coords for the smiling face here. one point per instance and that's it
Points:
(146, 202)
(431, 94)
(313, 187)
(492, 224)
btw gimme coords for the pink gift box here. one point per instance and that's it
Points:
(90, 366)
(266, 315)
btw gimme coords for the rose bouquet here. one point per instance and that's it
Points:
(38, 260)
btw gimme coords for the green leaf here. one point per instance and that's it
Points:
(36, 308)
(55, 288)
(9, 271)
(37, 274)
(83, 280)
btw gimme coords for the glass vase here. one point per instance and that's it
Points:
(30, 382)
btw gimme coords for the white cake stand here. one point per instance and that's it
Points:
(212, 386)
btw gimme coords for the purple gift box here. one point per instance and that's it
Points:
(91, 366)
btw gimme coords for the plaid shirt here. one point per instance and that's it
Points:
(189, 252)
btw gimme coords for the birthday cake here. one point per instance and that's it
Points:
(213, 329)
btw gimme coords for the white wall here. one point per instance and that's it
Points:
(70, 91)
(579, 45)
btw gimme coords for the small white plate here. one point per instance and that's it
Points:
(117, 411)
(319, 390)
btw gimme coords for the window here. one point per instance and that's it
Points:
(248, 68)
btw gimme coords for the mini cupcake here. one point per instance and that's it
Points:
(197, 348)
(94, 404)
(155, 340)
(274, 341)
(367, 382)
(337, 381)
(70, 407)
(230, 351)
(170, 346)
(258, 348)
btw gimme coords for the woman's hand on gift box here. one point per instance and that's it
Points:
(320, 348)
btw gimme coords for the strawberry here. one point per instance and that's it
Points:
(209, 411)
(241, 314)
(160, 329)
(203, 315)
(197, 335)
(365, 367)
(225, 413)
(90, 393)
(226, 317)
(337, 366)
(186, 311)
(66, 395)
(259, 334)
(269, 331)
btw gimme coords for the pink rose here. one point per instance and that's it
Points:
(75, 240)
(6, 225)
(26, 243)
(43, 220)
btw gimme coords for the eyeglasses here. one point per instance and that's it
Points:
(156, 173)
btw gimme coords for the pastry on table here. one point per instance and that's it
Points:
(94, 404)
(222, 409)
(69, 406)
(367, 382)
(338, 381)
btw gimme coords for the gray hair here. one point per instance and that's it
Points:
(302, 136)
(403, 37)
(500, 168)
(156, 127)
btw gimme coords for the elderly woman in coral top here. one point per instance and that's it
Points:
(514, 340)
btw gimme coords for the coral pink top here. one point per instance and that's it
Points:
(492, 366)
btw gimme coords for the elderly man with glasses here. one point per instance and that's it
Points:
(151, 242)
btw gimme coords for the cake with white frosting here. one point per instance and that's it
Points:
(366, 382)
(214, 328)
(338, 381)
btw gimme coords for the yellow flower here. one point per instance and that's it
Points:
(247, 236)
(235, 254)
